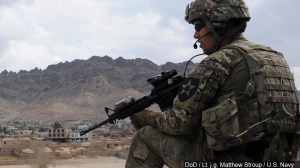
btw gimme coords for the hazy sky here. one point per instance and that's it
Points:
(37, 33)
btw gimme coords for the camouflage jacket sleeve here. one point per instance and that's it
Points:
(196, 94)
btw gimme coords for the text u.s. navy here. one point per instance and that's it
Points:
(257, 165)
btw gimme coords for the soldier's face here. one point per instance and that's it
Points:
(205, 38)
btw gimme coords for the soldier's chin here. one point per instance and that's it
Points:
(207, 51)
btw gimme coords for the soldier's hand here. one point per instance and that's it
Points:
(139, 120)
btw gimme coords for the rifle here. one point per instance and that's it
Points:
(165, 87)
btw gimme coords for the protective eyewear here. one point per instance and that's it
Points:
(198, 25)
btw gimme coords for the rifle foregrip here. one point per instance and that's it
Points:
(138, 106)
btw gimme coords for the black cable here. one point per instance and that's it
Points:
(190, 61)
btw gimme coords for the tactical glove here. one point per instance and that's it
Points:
(143, 118)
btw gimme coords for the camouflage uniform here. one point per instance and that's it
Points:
(222, 97)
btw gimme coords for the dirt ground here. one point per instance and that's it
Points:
(82, 162)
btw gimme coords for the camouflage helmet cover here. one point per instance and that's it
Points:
(216, 10)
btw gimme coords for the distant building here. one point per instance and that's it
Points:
(75, 137)
(6, 146)
(11, 128)
(64, 135)
(8, 142)
(59, 135)
(24, 132)
(42, 134)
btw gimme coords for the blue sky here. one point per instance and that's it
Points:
(37, 33)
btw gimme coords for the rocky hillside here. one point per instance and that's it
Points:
(77, 90)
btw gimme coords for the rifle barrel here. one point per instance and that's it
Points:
(94, 127)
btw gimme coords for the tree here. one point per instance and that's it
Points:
(42, 130)
(3, 129)
(57, 125)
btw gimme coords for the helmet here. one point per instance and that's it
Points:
(216, 10)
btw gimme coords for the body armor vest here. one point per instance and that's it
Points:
(269, 103)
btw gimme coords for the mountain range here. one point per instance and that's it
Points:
(77, 90)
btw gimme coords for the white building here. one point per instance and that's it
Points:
(75, 137)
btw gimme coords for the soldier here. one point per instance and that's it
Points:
(238, 104)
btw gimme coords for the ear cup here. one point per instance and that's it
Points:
(220, 27)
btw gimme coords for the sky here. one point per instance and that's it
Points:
(38, 33)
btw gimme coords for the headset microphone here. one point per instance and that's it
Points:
(195, 44)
